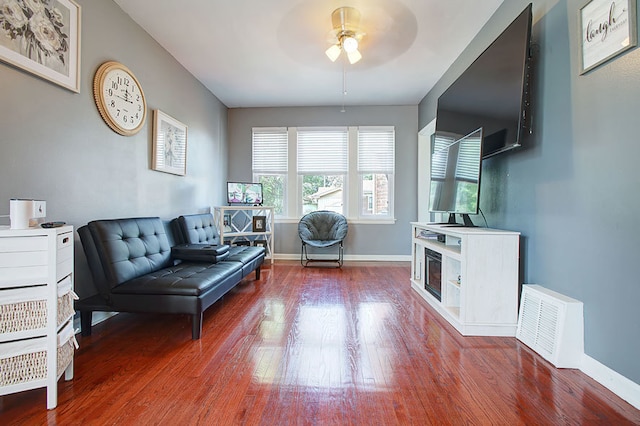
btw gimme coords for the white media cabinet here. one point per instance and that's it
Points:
(479, 276)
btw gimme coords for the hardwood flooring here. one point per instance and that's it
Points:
(314, 346)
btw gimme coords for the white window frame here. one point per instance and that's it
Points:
(352, 183)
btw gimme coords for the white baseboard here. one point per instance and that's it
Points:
(97, 318)
(615, 382)
(349, 258)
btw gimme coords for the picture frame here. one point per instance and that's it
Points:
(169, 144)
(260, 243)
(226, 222)
(43, 39)
(259, 223)
(608, 28)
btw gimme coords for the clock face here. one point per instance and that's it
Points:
(120, 98)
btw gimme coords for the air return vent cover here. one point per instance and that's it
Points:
(552, 325)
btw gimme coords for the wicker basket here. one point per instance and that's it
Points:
(23, 368)
(65, 356)
(22, 316)
(65, 308)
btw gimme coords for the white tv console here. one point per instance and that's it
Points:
(479, 276)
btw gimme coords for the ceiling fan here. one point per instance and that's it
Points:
(346, 34)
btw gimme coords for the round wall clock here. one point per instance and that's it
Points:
(119, 98)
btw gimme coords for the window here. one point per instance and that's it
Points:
(322, 168)
(376, 166)
(349, 170)
(269, 159)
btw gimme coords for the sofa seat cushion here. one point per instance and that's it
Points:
(245, 254)
(184, 279)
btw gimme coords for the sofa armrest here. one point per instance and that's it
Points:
(200, 252)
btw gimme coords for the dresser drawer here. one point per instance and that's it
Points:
(22, 244)
(64, 255)
(64, 240)
(23, 312)
(23, 361)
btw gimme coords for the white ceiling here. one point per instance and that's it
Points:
(263, 53)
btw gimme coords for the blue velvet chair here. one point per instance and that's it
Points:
(322, 229)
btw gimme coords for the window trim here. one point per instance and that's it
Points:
(352, 185)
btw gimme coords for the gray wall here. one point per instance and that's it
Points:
(363, 239)
(56, 147)
(572, 191)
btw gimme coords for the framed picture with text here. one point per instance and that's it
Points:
(608, 28)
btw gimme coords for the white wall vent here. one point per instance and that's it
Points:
(552, 325)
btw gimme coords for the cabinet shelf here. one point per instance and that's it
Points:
(235, 224)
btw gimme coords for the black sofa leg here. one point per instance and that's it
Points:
(196, 326)
(85, 322)
(257, 273)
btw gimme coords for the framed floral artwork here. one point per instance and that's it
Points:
(42, 37)
(169, 144)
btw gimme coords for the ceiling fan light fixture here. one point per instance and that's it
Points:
(333, 52)
(350, 44)
(346, 27)
(354, 56)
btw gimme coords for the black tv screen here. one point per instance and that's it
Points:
(455, 174)
(492, 92)
(244, 193)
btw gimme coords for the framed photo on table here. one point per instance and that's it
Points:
(226, 222)
(259, 223)
(608, 28)
(43, 38)
(169, 144)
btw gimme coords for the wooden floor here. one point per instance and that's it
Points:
(314, 346)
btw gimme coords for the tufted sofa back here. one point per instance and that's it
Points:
(199, 229)
(124, 249)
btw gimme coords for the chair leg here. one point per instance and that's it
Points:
(305, 260)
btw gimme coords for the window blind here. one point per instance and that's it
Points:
(440, 157)
(376, 150)
(468, 166)
(322, 151)
(270, 150)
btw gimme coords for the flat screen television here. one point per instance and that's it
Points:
(244, 193)
(456, 166)
(493, 92)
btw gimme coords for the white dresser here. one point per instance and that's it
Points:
(37, 341)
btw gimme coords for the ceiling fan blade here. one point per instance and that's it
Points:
(354, 56)
(333, 52)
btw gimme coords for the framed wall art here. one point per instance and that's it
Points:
(259, 223)
(608, 28)
(42, 37)
(169, 144)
